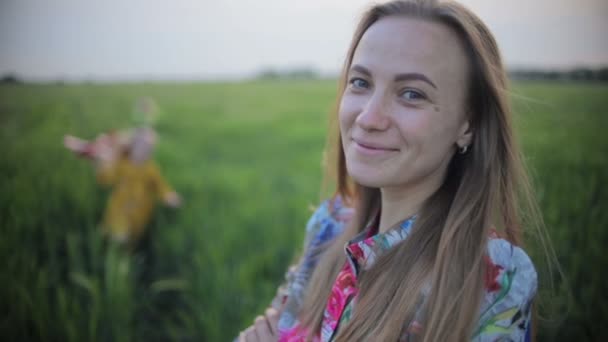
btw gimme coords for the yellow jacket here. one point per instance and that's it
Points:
(136, 188)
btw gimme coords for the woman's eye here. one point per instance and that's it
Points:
(412, 95)
(359, 83)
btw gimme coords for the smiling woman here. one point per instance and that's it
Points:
(421, 239)
(403, 110)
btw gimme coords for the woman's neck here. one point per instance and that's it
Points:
(401, 203)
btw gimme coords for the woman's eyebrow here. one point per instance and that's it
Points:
(361, 69)
(414, 76)
(398, 78)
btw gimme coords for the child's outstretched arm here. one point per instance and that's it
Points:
(76, 145)
(105, 147)
(103, 151)
(165, 192)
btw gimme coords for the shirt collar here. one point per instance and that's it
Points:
(363, 250)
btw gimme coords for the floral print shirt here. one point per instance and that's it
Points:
(510, 283)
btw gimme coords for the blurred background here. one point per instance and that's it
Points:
(243, 91)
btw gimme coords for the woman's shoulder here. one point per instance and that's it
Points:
(332, 209)
(328, 220)
(504, 259)
(510, 287)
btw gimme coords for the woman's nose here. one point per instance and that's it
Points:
(373, 115)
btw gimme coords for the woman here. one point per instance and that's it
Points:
(427, 160)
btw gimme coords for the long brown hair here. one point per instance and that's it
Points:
(486, 187)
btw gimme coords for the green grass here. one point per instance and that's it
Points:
(246, 159)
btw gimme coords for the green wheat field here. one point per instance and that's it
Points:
(246, 159)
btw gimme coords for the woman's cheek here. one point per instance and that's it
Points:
(347, 114)
(414, 124)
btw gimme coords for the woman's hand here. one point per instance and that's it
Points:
(264, 328)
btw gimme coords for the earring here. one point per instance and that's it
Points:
(463, 149)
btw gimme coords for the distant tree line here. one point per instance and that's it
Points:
(303, 73)
(577, 74)
(307, 73)
(10, 79)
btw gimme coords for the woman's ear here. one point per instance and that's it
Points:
(465, 134)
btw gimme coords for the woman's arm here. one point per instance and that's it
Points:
(324, 225)
(510, 291)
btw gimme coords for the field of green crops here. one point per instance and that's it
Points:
(246, 159)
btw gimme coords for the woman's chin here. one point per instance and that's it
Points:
(368, 178)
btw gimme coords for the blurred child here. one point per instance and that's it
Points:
(123, 161)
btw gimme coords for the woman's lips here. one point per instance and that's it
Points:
(372, 149)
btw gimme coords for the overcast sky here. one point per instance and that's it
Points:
(191, 39)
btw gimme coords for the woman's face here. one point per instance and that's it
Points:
(402, 114)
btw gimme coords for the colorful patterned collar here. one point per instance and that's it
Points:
(364, 249)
